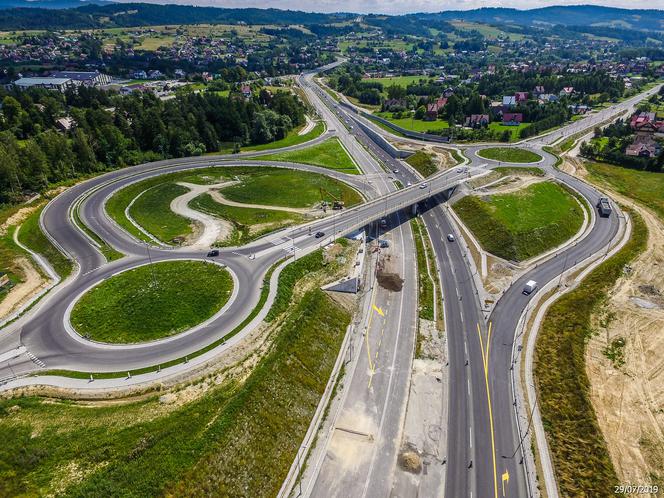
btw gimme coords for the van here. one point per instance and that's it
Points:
(530, 286)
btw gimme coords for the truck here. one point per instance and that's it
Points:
(604, 207)
(530, 286)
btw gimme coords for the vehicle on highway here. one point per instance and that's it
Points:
(213, 253)
(383, 243)
(530, 286)
(423, 186)
(450, 237)
(604, 207)
(319, 235)
(383, 222)
(408, 184)
(395, 171)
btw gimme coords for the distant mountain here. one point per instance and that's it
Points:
(49, 4)
(573, 15)
(49, 14)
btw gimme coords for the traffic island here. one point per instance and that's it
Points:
(509, 155)
(152, 302)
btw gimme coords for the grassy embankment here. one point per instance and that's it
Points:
(426, 293)
(578, 449)
(151, 302)
(423, 163)
(520, 225)
(293, 138)
(642, 186)
(264, 186)
(237, 439)
(519, 170)
(412, 124)
(509, 155)
(328, 154)
(31, 236)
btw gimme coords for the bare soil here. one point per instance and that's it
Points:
(628, 392)
(33, 282)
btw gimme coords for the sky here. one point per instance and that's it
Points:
(404, 6)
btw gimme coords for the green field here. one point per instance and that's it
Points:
(509, 155)
(248, 223)
(423, 163)
(259, 185)
(151, 302)
(514, 130)
(520, 225)
(152, 211)
(580, 456)
(403, 81)
(519, 170)
(643, 186)
(328, 154)
(234, 439)
(413, 124)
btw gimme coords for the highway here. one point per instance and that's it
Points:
(483, 439)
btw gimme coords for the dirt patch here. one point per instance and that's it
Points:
(17, 218)
(390, 281)
(512, 183)
(410, 462)
(627, 377)
(32, 283)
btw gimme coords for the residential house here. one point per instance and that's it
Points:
(434, 108)
(65, 124)
(477, 120)
(547, 98)
(509, 102)
(245, 90)
(512, 118)
(645, 125)
(521, 97)
(155, 74)
(568, 91)
(539, 90)
(139, 75)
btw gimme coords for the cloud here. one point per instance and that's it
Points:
(404, 6)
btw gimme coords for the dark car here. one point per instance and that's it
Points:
(319, 235)
(213, 253)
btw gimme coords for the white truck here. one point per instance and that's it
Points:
(530, 286)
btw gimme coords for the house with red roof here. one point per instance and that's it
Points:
(512, 118)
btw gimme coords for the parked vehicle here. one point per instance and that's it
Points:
(530, 286)
(604, 207)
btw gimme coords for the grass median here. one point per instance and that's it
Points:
(509, 155)
(576, 443)
(520, 225)
(238, 438)
(152, 302)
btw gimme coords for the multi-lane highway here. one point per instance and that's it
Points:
(483, 438)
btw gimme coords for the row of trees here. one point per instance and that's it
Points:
(114, 131)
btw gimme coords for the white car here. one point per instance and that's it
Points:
(408, 184)
(423, 186)
(530, 286)
(450, 237)
(395, 171)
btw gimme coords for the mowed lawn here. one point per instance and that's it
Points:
(514, 130)
(402, 81)
(413, 124)
(644, 186)
(152, 210)
(520, 225)
(151, 302)
(328, 154)
(509, 155)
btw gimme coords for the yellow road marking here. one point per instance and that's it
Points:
(378, 310)
(485, 361)
(506, 480)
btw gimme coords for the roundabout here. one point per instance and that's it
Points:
(152, 302)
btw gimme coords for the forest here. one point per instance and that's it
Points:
(111, 131)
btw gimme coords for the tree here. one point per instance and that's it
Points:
(11, 110)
